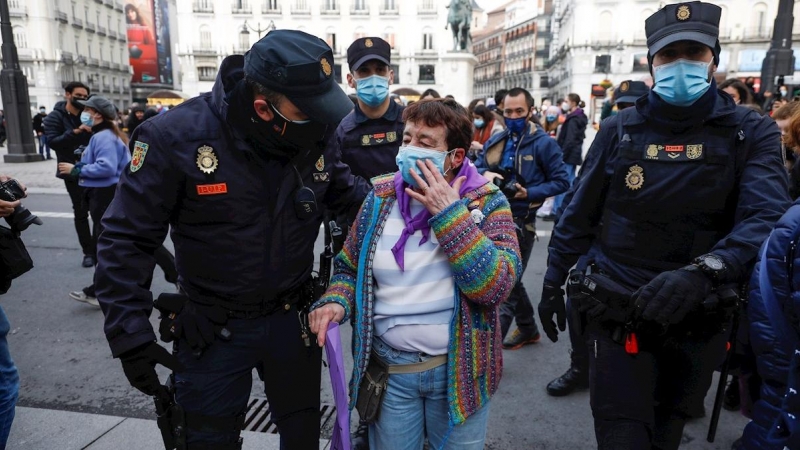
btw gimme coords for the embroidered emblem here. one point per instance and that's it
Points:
(139, 152)
(321, 177)
(365, 139)
(320, 164)
(694, 151)
(683, 12)
(212, 189)
(652, 151)
(391, 136)
(635, 178)
(206, 159)
(368, 43)
(326, 66)
(623, 87)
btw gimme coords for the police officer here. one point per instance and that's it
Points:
(238, 175)
(577, 376)
(681, 191)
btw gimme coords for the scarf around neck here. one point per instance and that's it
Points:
(420, 221)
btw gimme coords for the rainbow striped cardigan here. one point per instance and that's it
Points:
(485, 261)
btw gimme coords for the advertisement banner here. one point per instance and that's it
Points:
(142, 48)
(163, 42)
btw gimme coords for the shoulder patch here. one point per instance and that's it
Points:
(139, 152)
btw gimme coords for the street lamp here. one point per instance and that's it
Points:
(270, 26)
(14, 91)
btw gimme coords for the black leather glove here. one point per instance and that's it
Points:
(198, 327)
(139, 366)
(671, 295)
(552, 303)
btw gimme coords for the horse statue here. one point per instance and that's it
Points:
(459, 19)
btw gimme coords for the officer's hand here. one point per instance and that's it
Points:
(552, 304)
(489, 175)
(198, 328)
(671, 295)
(139, 366)
(319, 319)
(522, 193)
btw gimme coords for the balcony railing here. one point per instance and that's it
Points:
(244, 9)
(17, 9)
(118, 5)
(426, 7)
(360, 10)
(203, 7)
(273, 8)
(101, 30)
(77, 23)
(92, 62)
(99, 2)
(105, 65)
(329, 11)
(89, 27)
(757, 33)
(62, 17)
(391, 10)
(301, 10)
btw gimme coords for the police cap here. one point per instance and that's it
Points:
(299, 66)
(628, 91)
(690, 21)
(367, 49)
(101, 105)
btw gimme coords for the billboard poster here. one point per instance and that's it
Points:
(142, 48)
(163, 43)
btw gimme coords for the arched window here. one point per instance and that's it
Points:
(388, 36)
(427, 38)
(758, 20)
(330, 38)
(20, 37)
(359, 33)
(604, 27)
(205, 37)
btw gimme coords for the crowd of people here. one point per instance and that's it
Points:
(677, 213)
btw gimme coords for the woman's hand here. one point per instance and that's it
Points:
(65, 168)
(319, 319)
(437, 194)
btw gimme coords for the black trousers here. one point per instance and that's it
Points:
(518, 306)
(218, 383)
(81, 212)
(642, 401)
(97, 200)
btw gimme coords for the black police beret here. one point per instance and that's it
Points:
(690, 21)
(299, 66)
(628, 91)
(366, 49)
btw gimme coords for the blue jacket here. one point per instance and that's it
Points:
(738, 161)
(104, 159)
(774, 353)
(241, 239)
(571, 136)
(538, 164)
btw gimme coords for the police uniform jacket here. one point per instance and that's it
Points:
(238, 239)
(538, 164)
(369, 146)
(656, 191)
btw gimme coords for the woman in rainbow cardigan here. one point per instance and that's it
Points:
(428, 261)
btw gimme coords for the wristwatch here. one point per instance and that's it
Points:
(712, 266)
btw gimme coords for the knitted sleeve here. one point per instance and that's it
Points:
(484, 257)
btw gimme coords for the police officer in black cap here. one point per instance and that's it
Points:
(626, 94)
(239, 175)
(672, 204)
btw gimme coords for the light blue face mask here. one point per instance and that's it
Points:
(478, 123)
(681, 82)
(87, 119)
(407, 159)
(372, 90)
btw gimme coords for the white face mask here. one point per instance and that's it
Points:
(565, 106)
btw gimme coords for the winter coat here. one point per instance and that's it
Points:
(571, 136)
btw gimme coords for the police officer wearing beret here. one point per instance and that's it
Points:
(238, 174)
(677, 196)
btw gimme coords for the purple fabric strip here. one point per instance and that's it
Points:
(333, 350)
(420, 221)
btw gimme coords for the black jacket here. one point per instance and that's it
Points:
(58, 126)
(38, 125)
(570, 139)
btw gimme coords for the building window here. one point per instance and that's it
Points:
(205, 37)
(359, 5)
(337, 73)
(329, 5)
(89, 48)
(389, 5)
(360, 33)
(301, 5)
(20, 37)
(427, 41)
(206, 73)
(388, 36)
(602, 63)
(427, 74)
(330, 38)
(396, 69)
(244, 41)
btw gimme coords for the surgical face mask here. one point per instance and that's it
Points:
(565, 106)
(373, 90)
(41, 110)
(681, 82)
(783, 92)
(407, 159)
(516, 126)
(87, 119)
(551, 117)
(478, 123)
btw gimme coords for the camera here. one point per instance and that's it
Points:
(21, 218)
(507, 186)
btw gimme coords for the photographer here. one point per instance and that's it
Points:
(527, 165)
(9, 378)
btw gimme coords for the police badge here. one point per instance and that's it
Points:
(694, 151)
(652, 151)
(635, 178)
(391, 136)
(320, 164)
(206, 159)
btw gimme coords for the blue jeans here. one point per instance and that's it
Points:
(9, 382)
(44, 150)
(557, 210)
(416, 404)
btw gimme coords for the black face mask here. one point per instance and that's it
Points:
(305, 135)
(76, 105)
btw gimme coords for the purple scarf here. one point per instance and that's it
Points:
(420, 221)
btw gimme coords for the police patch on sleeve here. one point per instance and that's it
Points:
(139, 152)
